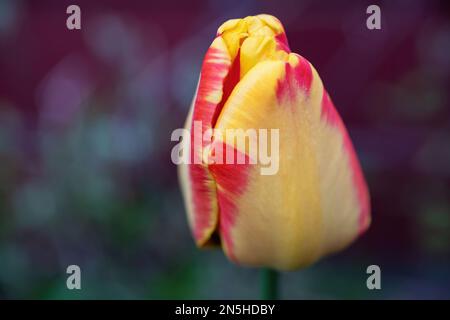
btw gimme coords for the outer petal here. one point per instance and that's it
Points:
(198, 187)
(318, 201)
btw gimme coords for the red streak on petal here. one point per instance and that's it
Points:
(296, 79)
(229, 83)
(329, 113)
(211, 80)
(331, 116)
(282, 42)
(218, 77)
(202, 198)
(231, 180)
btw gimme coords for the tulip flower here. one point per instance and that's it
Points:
(317, 203)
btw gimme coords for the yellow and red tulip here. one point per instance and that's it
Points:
(318, 202)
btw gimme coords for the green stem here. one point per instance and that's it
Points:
(269, 284)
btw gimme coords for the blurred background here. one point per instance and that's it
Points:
(85, 123)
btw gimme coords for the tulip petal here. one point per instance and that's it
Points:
(198, 187)
(318, 201)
